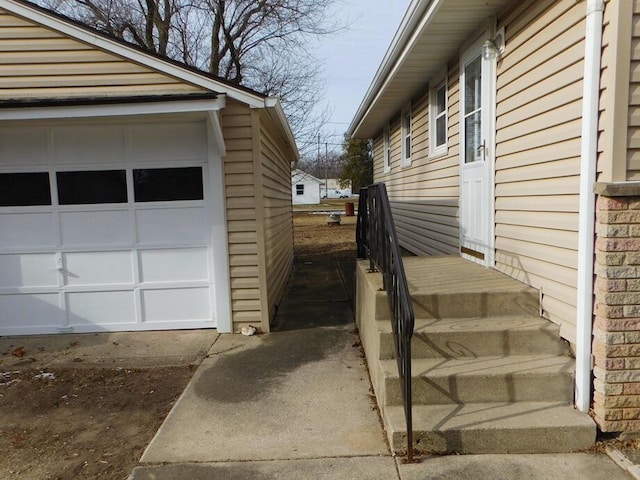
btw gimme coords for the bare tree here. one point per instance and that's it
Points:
(262, 44)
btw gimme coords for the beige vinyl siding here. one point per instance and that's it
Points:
(633, 136)
(538, 128)
(277, 213)
(424, 195)
(36, 62)
(241, 215)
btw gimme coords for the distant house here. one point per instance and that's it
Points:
(334, 189)
(135, 193)
(508, 133)
(305, 188)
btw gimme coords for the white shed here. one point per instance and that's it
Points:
(305, 188)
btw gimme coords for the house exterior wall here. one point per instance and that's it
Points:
(259, 215)
(633, 135)
(538, 135)
(36, 62)
(424, 195)
(242, 209)
(616, 331)
(277, 215)
(616, 335)
(538, 129)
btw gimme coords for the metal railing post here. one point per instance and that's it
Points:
(377, 239)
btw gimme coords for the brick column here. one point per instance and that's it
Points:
(616, 333)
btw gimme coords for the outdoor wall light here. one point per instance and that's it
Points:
(494, 48)
(489, 50)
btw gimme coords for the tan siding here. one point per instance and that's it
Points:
(633, 152)
(241, 216)
(36, 62)
(424, 196)
(539, 108)
(278, 214)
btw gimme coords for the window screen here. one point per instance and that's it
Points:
(24, 189)
(168, 184)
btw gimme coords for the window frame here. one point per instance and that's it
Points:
(436, 150)
(406, 135)
(299, 191)
(386, 144)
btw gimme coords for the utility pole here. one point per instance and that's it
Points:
(326, 168)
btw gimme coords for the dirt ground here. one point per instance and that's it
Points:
(95, 422)
(315, 240)
(82, 423)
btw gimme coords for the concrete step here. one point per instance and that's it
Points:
(514, 378)
(450, 287)
(521, 427)
(475, 337)
(483, 303)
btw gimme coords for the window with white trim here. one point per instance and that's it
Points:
(405, 121)
(387, 148)
(438, 107)
(300, 189)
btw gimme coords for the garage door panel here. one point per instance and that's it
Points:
(28, 270)
(177, 304)
(176, 226)
(98, 268)
(101, 308)
(107, 226)
(88, 145)
(174, 265)
(96, 228)
(20, 230)
(31, 311)
(23, 146)
(171, 142)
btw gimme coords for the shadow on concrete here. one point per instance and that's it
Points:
(319, 294)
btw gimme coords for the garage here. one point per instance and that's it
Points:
(107, 225)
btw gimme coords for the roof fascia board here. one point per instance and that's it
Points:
(402, 43)
(104, 43)
(304, 176)
(112, 110)
(216, 129)
(274, 108)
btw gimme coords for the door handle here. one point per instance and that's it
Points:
(59, 262)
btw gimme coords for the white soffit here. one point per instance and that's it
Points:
(429, 36)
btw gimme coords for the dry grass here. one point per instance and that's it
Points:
(315, 240)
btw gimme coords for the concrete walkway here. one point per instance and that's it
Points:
(296, 404)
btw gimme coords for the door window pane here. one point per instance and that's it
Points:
(473, 113)
(92, 187)
(24, 189)
(168, 184)
(472, 83)
(472, 134)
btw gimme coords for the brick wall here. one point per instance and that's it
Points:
(616, 333)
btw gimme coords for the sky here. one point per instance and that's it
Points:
(352, 57)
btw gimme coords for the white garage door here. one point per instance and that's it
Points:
(105, 227)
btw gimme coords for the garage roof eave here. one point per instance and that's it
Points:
(75, 101)
(107, 107)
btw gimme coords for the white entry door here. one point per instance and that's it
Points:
(477, 124)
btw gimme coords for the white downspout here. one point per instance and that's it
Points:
(586, 232)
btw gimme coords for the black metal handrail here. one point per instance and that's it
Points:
(377, 240)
